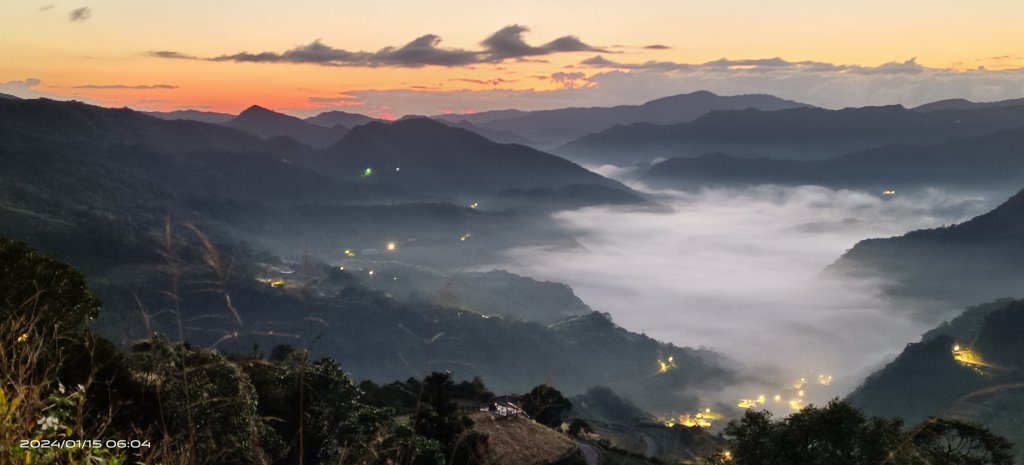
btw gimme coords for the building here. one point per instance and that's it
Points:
(505, 407)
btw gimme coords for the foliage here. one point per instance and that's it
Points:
(546, 405)
(44, 304)
(312, 411)
(206, 406)
(839, 434)
(47, 290)
(953, 442)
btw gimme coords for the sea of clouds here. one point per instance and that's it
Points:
(740, 271)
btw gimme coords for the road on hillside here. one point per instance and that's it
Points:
(592, 454)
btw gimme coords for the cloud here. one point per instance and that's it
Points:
(25, 88)
(80, 14)
(657, 47)
(171, 54)
(344, 100)
(508, 43)
(599, 61)
(46, 7)
(422, 51)
(485, 82)
(724, 64)
(570, 80)
(426, 50)
(907, 67)
(126, 87)
(739, 271)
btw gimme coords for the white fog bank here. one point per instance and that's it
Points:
(739, 271)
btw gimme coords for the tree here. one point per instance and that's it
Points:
(317, 412)
(953, 442)
(42, 290)
(546, 405)
(837, 434)
(201, 406)
(438, 418)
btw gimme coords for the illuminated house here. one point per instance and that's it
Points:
(505, 407)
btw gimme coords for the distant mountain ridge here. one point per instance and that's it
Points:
(266, 124)
(802, 133)
(550, 128)
(43, 123)
(428, 153)
(964, 104)
(991, 163)
(497, 135)
(333, 118)
(978, 260)
(193, 115)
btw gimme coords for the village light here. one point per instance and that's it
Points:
(391, 246)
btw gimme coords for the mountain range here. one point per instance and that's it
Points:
(975, 261)
(970, 368)
(329, 119)
(963, 104)
(193, 115)
(116, 192)
(990, 163)
(266, 124)
(801, 133)
(550, 128)
(427, 153)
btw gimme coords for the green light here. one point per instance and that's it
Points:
(367, 172)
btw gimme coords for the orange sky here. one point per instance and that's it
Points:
(108, 48)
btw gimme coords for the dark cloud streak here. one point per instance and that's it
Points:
(126, 87)
(505, 44)
(171, 54)
(80, 14)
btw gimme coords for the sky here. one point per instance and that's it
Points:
(390, 58)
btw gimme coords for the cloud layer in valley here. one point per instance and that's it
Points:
(739, 271)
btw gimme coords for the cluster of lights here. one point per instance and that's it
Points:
(666, 365)
(795, 403)
(701, 419)
(968, 357)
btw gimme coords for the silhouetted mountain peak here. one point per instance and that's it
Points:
(267, 123)
(422, 151)
(256, 110)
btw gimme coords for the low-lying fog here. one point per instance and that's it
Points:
(739, 271)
